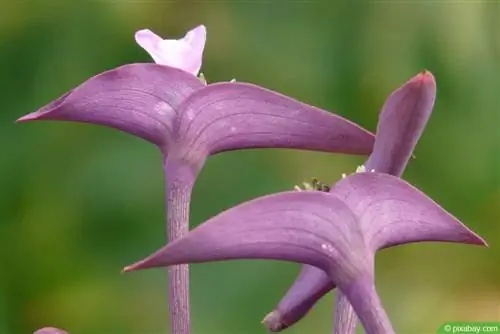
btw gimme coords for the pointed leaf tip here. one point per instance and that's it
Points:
(27, 118)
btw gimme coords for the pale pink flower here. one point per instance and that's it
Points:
(185, 53)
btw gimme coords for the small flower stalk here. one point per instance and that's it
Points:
(188, 120)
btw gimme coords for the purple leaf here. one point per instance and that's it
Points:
(290, 226)
(140, 99)
(231, 116)
(307, 227)
(393, 212)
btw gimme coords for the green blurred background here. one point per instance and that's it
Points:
(78, 202)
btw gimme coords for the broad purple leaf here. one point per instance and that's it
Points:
(140, 99)
(50, 330)
(316, 228)
(304, 227)
(231, 116)
(393, 212)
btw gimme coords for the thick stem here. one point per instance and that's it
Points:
(345, 319)
(180, 180)
(365, 301)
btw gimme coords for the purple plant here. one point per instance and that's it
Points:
(337, 233)
(169, 106)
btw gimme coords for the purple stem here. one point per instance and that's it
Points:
(345, 319)
(179, 184)
(366, 303)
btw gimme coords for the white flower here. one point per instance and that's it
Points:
(185, 53)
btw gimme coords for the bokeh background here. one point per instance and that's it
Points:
(78, 202)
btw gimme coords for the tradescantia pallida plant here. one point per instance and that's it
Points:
(167, 104)
(334, 232)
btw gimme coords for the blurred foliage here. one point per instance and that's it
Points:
(79, 202)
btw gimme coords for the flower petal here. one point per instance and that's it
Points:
(196, 39)
(50, 330)
(401, 123)
(393, 212)
(140, 99)
(185, 53)
(150, 42)
(230, 116)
